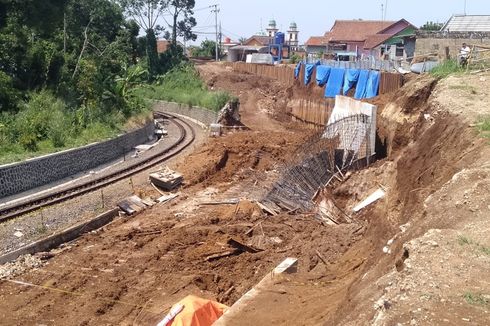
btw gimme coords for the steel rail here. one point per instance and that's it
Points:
(66, 194)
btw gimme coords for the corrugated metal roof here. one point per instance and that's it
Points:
(468, 23)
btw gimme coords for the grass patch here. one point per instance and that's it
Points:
(477, 299)
(464, 241)
(448, 67)
(485, 250)
(483, 126)
(184, 85)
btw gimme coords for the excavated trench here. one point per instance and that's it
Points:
(419, 149)
(423, 148)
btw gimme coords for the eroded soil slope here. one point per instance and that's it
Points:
(436, 214)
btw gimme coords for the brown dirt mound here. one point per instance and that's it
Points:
(229, 158)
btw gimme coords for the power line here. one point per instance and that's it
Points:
(216, 11)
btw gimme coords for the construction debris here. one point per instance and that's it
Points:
(377, 195)
(132, 205)
(233, 201)
(166, 179)
(167, 198)
(242, 247)
(224, 254)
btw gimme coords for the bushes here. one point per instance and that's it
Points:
(447, 68)
(184, 85)
(45, 124)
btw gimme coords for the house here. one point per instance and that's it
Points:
(349, 36)
(357, 39)
(164, 45)
(394, 42)
(227, 44)
(316, 44)
(258, 40)
(467, 23)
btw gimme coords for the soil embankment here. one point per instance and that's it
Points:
(436, 176)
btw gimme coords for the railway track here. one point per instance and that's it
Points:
(184, 141)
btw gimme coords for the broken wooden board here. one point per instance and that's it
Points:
(167, 198)
(242, 247)
(232, 201)
(224, 254)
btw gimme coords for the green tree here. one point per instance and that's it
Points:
(206, 50)
(146, 14)
(182, 21)
(431, 26)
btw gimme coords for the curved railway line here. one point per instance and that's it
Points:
(62, 195)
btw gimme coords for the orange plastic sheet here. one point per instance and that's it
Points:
(198, 312)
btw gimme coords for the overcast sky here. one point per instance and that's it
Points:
(315, 17)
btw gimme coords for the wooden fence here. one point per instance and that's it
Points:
(284, 74)
(310, 107)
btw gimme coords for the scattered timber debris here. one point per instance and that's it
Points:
(233, 201)
(132, 205)
(235, 247)
(167, 198)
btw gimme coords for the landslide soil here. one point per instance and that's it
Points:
(132, 271)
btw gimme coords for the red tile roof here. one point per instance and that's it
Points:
(356, 30)
(374, 40)
(317, 41)
(260, 39)
(162, 45)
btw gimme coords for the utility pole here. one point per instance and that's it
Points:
(220, 38)
(216, 11)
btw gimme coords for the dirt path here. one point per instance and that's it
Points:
(258, 96)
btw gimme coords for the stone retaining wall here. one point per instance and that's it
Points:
(202, 115)
(19, 177)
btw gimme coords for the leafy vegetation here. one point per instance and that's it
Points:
(295, 58)
(447, 68)
(431, 26)
(484, 127)
(183, 85)
(206, 50)
(73, 71)
(476, 299)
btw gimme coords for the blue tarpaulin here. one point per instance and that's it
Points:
(351, 77)
(309, 72)
(362, 85)
(335, 81)
(297, 70)
(322, 74)
(373, 84)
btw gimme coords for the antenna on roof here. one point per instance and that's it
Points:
(465, 7)
(382, 11)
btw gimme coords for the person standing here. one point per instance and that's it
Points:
(464, 55)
